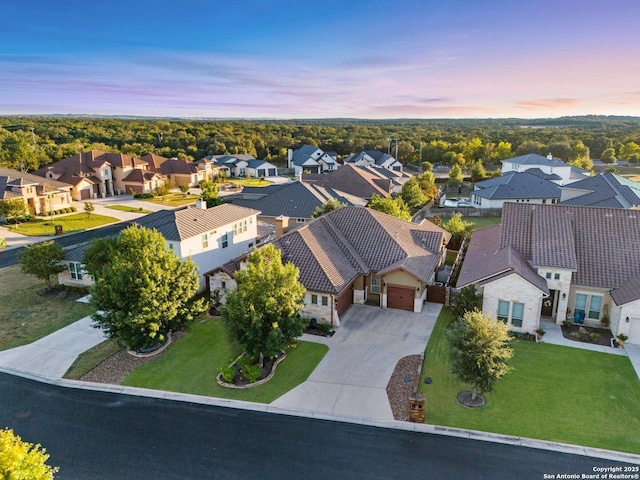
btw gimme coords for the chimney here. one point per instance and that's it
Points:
(282, 225)
(201, 204)
(550, 157)
(299, 177)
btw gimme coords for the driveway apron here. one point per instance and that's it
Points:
(352, 378)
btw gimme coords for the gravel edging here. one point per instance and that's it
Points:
(115, 368)
(398, 389)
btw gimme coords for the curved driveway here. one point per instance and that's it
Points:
(351, 379)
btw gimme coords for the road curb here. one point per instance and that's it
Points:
(395, 425)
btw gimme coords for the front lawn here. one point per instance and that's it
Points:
(249, 182)
(93, 357)
(70, 223)
(25, 316)
(173, 199)
(554, 393)
(126, 208)
(192, 363)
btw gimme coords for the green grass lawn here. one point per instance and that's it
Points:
(482, 222)
(92, 358)
(70, 223)
(554, 393)
(125, 208)
(173, 199)
(192, 363)
(249, 182)
(25, 316)
(451, 257)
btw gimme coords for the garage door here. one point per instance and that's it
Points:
(634, 330)
(85, 194)
(272, 172)
(344, 300)
(400, 298)
(261, 172)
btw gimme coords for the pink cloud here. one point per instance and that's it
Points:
(552, 103)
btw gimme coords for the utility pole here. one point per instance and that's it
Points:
(420, 162)
(396, 149)
(389, 145)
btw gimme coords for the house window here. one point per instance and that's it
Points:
(517, 314)
(314, 299)
(556, 276)
(250, 244)
(503, 311)
(375, 285)
(300, 220)
(594, 306)
(223, 285)
(225, 240)
(325, 301)
(580, 306)
(205, 241)
(548, 275)
(75, 270)
(171, 246)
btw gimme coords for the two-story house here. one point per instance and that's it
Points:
(38, 194)
(548, 165)
(367, 158)
(311, 159)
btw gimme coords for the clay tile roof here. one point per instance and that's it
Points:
(178, 166)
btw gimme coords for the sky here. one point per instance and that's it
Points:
(323, 59)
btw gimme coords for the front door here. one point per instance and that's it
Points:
(547, 304)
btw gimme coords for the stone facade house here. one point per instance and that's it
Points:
(559, 262)
(39, 195)
(356, 255)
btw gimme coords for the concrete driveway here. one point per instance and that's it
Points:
(351, 379)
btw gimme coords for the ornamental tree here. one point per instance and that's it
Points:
(395, 207)
(142, 289)
(412, 194)
(467, 300)
(262, 314)
(479, 351)
(13, 209)
(43, 260)
(20, 460)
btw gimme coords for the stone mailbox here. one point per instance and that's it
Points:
(59, 229)
(416, 407)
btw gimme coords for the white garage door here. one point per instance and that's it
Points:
(634, 330)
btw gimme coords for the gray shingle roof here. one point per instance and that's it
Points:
(301, 155)
(628, 292)
(333, 249)
(606, 190)
(535, 159)
(187, 222)
(378, 157)
(295, 199)
(354, 181)
(516, 185)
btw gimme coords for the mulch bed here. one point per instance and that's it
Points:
(403, 382)
(604, 334)
(58, 292)
(319, 332)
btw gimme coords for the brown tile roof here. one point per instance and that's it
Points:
(354, 181)
(139, 176)
(486, 261)
(88, 162)
(187, 222)
(606, 240)
(154, 161)
(333, 249)
(178, 166)
(627, 292)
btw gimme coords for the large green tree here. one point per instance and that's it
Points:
(458, 228)
(412, 193)
(13, 209)
(43, 260)
(479, 351)
(467, 300)
(142, 289)
(262, 313)
(630, 151)
(20, 460)
(395, 207)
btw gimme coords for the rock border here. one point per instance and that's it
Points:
(166, 344)
(224, 384)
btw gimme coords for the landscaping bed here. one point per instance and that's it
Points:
(580, 333)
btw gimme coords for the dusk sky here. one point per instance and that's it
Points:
(321, 59)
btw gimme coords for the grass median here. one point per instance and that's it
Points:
(70, 223)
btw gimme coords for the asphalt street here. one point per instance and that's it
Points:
(10, 257)
(100, 435)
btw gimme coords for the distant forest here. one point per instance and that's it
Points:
(28, 143)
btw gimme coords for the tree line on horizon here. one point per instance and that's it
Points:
(28, 143)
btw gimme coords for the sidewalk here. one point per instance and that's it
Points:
(554, 336)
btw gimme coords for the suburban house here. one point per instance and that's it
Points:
(356, 181)
(182, 172)
(98, 174)
(38, 194)
(603, 190)
(558, 262)
(523, 187)
(311, 159)
(233, 165)
(261, 169)
(209, 236)
(356, 255)
(547, 165)
(291, 204)
(398, 177)
(367, 158)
